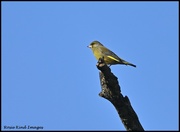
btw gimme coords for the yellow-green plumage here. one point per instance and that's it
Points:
(110, 58)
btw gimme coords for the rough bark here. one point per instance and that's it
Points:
(110, 90)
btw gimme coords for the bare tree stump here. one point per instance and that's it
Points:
(111, 91)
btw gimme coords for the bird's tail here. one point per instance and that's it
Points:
(131, 64)
(127, 63)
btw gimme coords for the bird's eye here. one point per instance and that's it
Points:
(92, 44)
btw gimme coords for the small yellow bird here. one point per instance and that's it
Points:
(110, 57)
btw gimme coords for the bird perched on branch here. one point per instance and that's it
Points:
(109, 57)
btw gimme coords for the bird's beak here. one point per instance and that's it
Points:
(89, 46)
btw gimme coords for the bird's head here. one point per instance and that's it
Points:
(94, 44)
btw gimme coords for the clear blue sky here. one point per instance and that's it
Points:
(49, 76)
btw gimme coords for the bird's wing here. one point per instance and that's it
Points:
(111, 55)
(108, 53)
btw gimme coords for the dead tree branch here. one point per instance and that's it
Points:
(112, 92)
